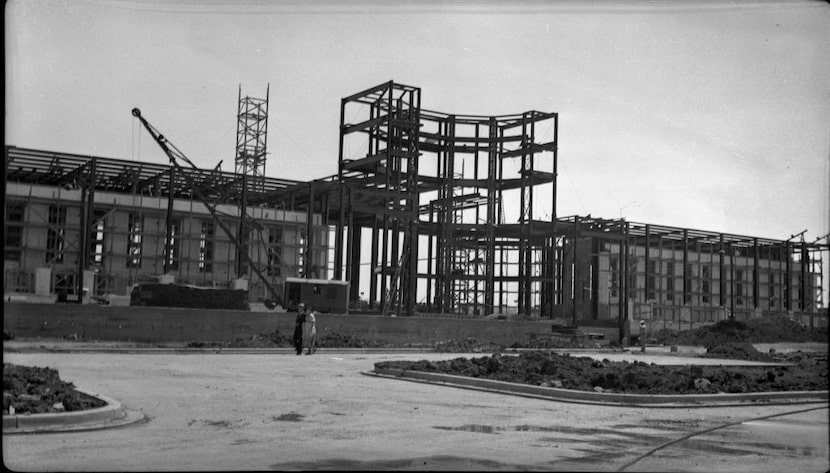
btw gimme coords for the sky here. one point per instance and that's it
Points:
(708, 115)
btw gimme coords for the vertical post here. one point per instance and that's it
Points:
(429, 260)
(575, 273)
(309, 232)
(731, 281)
(804, 283)
(490, 259)
(647, 269)
(384, 261)
(355, 237)
(596, 247)
(373, 280)
(555, 283)
(82, 247)
(529, 248)
(242, 248)
(755, 283)
(788, 282)
(168, 230)
(412, 266)
(350, 244)
(624, 289)
(338, 233)
(722, 272)
(686, 273)
(90, 214)
(524, 219)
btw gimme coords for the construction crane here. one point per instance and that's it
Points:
(175, 156)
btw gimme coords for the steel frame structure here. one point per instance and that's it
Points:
(435, 184)
(94, 174)
(445, 211)
(449, 214)
(637, 246)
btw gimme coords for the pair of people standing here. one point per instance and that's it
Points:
(305, 329)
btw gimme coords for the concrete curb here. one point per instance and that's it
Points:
(612, 399)
(109, 416)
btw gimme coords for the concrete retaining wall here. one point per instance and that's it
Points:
(155, 325)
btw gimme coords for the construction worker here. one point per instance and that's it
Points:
(298, 328)
(310, 331)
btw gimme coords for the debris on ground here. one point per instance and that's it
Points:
(586, 374)
(33, 390)
(736, 351)
(467, 345)
(728, 339)
(769, 329)
(336, 340)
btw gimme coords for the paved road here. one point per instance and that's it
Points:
(286, 412)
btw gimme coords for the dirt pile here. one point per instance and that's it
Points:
(587, 374)
(736, 351)
(38, 390)
(771, 329)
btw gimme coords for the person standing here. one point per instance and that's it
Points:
(298, 328)
(310, 331)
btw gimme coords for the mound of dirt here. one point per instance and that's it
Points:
(587, 374)
(769, 329)
(38, 390)
(736, 351)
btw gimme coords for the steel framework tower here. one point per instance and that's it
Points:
(251, 146)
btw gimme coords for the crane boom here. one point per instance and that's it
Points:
(175, 155)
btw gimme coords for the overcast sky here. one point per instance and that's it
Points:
(708, 115)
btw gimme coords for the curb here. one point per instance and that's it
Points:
(610, 399)
(111, 415)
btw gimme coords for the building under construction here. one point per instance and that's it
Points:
(429, 213)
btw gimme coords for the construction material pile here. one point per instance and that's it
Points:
(173, 295)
